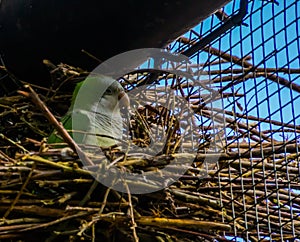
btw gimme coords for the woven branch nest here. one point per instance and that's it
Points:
(46, 197)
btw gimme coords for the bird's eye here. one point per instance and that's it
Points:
(108, 91)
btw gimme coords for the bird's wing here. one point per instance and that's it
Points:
(67, 123)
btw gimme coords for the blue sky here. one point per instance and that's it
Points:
(273, 34)
(272, 40)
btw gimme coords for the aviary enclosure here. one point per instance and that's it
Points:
(242, 183)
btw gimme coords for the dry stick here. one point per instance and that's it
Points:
(218, 62)
(230, 78)
(20, 192)
(206, 96)
(254, 118)
(183, 223)
(228, 57)
(186, 41)
(261, 210)
(18, 221)
(272, 77)
(253, 153)
(133, 223)
(284, 82)
(63, 182)
(60, 220)
(91, 223)
(123, 201)
(88, 195)
(2, 136)
(104, 203)
(58, 125)
(243, 63)
(5, 156)
(257, 153)
(92, 56)
(258, 70)
(199, 234)
(225, 56)
(281, 131)
(209, 114)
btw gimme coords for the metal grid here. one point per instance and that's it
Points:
(255, 69)
(247, 106)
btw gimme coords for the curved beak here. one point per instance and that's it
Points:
(124, 101)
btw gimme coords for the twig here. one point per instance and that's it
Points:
(57, 165)
(45, 225)
(20, 191)
(133, 223)
(58, 125)
(87, 196)
(14, 143)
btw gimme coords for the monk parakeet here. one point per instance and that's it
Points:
(94, 117)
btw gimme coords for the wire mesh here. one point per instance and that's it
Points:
(248, 106)
(255, 69)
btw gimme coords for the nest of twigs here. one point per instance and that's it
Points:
(46, 197)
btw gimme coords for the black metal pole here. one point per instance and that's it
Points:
(233, 21)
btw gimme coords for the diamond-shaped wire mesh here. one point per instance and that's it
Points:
(246, 104)
(255, 69)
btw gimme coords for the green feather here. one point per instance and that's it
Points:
(94, 112)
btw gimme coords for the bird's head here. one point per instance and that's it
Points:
(100, 93)
(114, 98)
